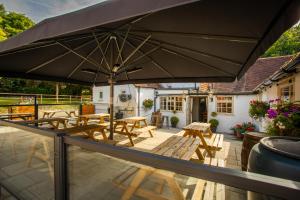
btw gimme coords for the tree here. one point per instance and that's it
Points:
(13, 23)
(287, 44)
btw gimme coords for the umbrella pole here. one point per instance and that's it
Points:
(111, 109)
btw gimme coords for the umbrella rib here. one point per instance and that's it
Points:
(99, 47)
(77, 67)
(79, 55)
(103, 58)
(194, 51)
(42, 45)
(135, 50)
(122, 46)
(202, 36)
(56, 58)
(191, 58)
(152, 60)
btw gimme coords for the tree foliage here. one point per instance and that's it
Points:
(11, 24)
(287, 44)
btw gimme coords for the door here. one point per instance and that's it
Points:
(199, 109)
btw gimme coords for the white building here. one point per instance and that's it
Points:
(190, 103)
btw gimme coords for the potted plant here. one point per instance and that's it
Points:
(213, 125)
(284, 119)
(174, 121)
(258, 109)
(148, 104)
(213, 114)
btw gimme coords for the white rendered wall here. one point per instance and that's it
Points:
(240, 112)
(145, 93)
(102, 105)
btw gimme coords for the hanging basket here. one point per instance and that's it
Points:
(125, 97)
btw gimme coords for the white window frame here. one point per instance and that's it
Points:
(171, 103)
(226, 106)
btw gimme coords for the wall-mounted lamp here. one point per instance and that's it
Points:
(211, 95)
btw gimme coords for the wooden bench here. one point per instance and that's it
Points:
(208, 190)
(132, 180)
(88, 130)
(148, 129)
(215, 142)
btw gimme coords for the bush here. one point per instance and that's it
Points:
(214, 123)
(148, 104)
(174, 121)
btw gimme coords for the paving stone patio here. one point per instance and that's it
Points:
(91, 175)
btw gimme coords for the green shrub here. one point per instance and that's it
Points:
(174, 121)
(214, 114)
(214, 122)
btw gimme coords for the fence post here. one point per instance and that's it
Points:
(41, 99)
(70, 98)
(36, 110)
(80, 109)
(60, 168)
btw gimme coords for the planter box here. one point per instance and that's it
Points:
(88, 109)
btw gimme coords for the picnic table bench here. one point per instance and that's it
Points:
(211, 142)
(208, 190)
(176, 147)
(23, 116)
(53, 122)
(88, 130)
(84, 119)
(51, 113)
(121, 125)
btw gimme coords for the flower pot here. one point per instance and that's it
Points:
(88, 109)
(239, 135)
(213, 129)
(250, 139)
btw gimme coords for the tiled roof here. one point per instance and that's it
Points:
(258, 72)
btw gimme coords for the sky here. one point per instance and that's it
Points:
(37, 10)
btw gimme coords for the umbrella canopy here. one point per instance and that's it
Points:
(142, 41)
(161, 41)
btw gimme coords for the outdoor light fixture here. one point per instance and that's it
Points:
(115, 68)
(136, 69)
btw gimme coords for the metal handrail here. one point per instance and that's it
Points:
(273, 186)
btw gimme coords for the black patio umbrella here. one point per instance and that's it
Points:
(147, 41)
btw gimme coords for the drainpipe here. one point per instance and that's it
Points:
(139, 91)
(155, 97)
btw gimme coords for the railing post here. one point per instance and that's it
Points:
(60, 168)
(36, 110)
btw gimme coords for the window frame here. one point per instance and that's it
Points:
(171, 103)
(100, 96)
(225, 102)
(290, 84)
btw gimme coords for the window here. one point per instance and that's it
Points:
(286, 92)
(163, 103)
(224, 104)
(171, 103)
(100, 96)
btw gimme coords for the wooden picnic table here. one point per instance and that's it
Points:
(120, 126)
(53, 122)
(202, 130)
(85, 118)
(24, 116)
(176, 147)
(89, 130)
(51, 113)
(134, 122)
